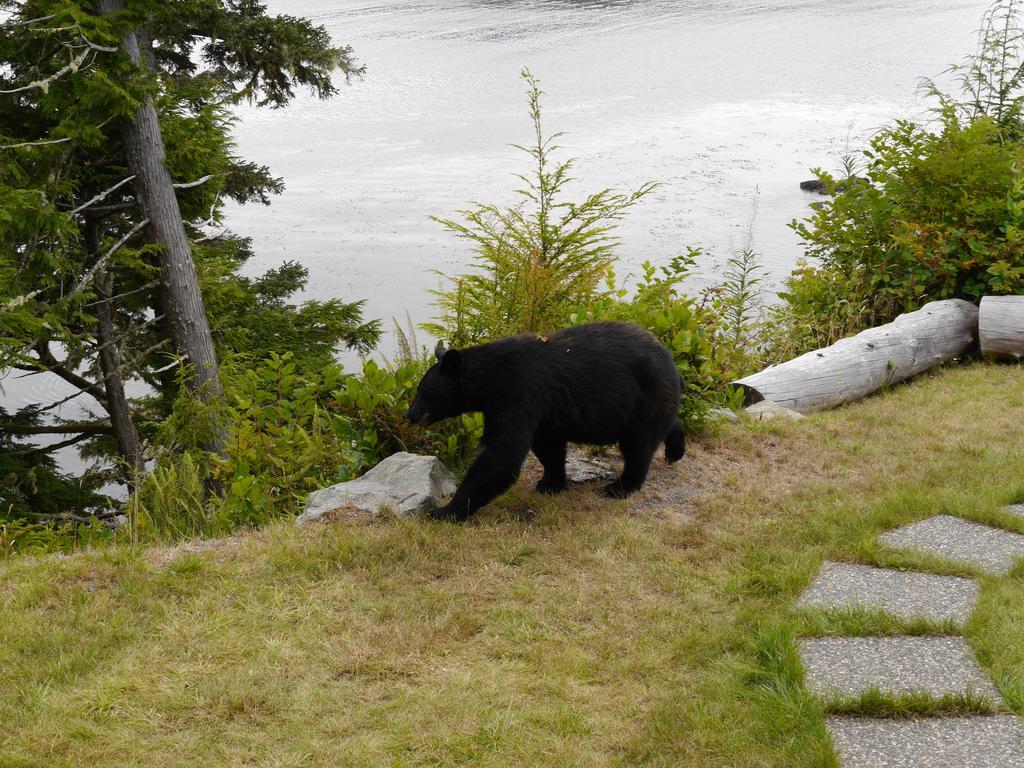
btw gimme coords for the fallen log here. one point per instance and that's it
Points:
(1001, 326)
(857, 366)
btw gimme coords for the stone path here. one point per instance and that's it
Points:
(847, 667)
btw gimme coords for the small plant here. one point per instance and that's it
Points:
(284, 440)
(172, 503)
(992, 78)
(536, 262)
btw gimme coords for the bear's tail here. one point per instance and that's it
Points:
(675, 442)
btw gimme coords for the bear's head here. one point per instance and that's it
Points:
(439, 393)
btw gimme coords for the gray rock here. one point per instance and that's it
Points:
(406, 483)
(723, 414)
(990, 549)
(768, 410)
(906, 595)
(934, 742)
(850, 666)
(582, 469)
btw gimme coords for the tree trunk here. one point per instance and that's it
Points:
(1001, 327)
(189, 329)
(855, 367)
(125, 433)
(117, 404)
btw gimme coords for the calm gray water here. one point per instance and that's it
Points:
(715, 99)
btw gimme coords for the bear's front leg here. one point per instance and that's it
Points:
(549, 448)
(491, 474)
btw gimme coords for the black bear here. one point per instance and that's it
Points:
(599, 383)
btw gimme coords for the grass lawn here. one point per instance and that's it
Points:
(570, 631)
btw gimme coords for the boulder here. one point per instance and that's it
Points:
(722, 414)
(406, 483)
(768, 410)
(582, 469)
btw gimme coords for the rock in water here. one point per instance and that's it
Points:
(406, 483)
(814, 185)
(767, 410)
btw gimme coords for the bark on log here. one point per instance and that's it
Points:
(855, 367)
(1001, 326)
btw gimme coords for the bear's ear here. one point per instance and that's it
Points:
(439, 350)
(451, 363)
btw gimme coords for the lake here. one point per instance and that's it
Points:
(720, 101)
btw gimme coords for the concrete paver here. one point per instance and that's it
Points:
(850, 666)
(991, 549)
(907, 595)
(935, 742)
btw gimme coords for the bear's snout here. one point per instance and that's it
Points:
(417, 415)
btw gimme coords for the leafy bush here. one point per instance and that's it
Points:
(924, 213)
(375, 405)
(283, 441)
(932, 216)
(171, 502)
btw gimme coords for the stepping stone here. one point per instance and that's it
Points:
(990, 549)
(1015, 509)
(934, 742)
(850, 666)
(906, 595)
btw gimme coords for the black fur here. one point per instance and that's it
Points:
(599, 384)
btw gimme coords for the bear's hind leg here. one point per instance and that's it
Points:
(637, 452)
(675, 442)
(549, 448)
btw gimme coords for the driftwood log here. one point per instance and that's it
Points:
(1001, 326)
(855, 367)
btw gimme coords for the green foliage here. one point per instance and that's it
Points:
(535, 262)
(931, 216)
(20, 537)
(31, 483)
(172, 503)
(734, 316)
(923, 213)
(283, 440)
(375, 405)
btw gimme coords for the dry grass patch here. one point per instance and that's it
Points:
(555, 631)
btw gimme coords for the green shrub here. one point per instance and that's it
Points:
(924, 213)
(375, 405)
(171, 502)
(932, 216)
(284, 440)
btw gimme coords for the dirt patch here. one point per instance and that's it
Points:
(160, 557)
